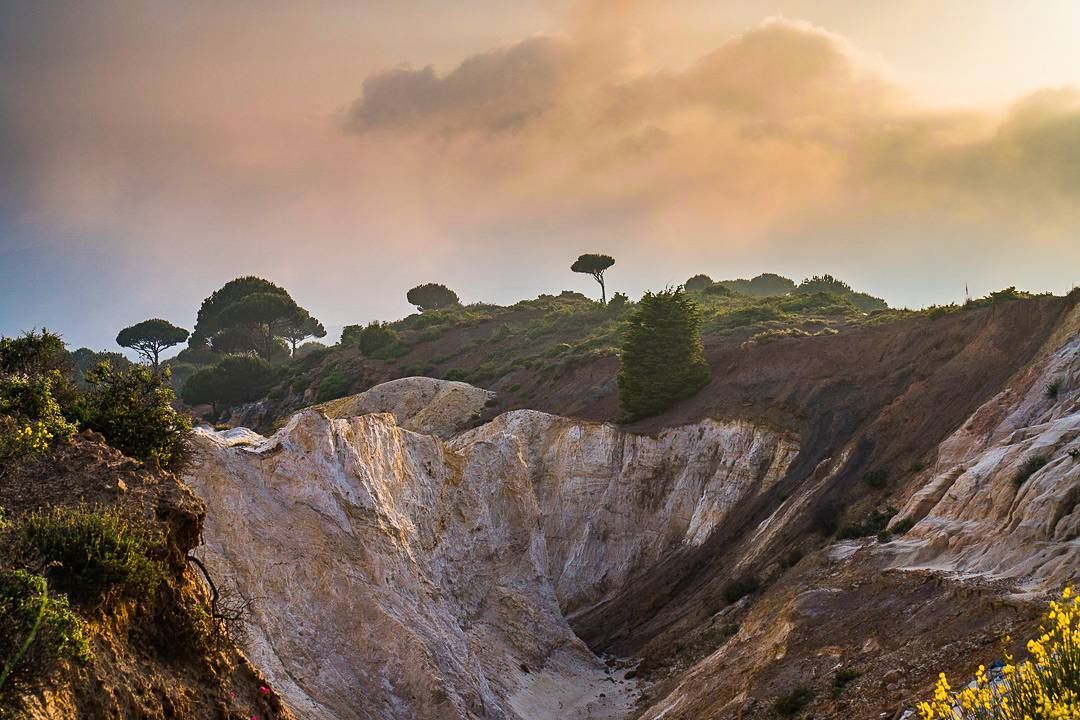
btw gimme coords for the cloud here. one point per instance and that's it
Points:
(294, 149)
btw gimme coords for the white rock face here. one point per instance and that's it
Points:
(975, 516)
(396, 575)
(425, 405)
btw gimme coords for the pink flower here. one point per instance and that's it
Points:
(264, 690)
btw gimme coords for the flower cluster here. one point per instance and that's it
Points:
(1044, 687)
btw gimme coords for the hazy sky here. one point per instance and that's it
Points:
(150, 151)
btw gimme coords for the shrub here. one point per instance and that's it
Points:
(697, 283)
(133, 409)
(1052, 389)
(842, 678)
(876, 478)
(370, 338)
(824, 303)
(748, 316)
(34, 353)
(96, 553)
(740, 588)
(662, 356)
(456, 374)
(718, 290)
(618, 303)
(1045, 686)
(792, 703)
(36, 627)
(874, 523)
(235, 380)
(900, 527)
(1029, 467)
(333, 386)
(30, 417)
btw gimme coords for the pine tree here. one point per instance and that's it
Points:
(662, 356)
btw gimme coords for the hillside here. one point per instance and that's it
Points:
(553, 353)
(752, 547)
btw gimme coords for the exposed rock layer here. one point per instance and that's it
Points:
(400, 576)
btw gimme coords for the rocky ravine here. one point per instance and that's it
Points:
(438, 574)
(399, 575)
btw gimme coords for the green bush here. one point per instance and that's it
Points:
(376, 339)
(662, 356)
(133, 409)
(876, 478)
(235, 380)
(792, 703)
(30, 417)
(1030, 466)
(456, 374)
(333, 386)
(34, 353)
(94, 554)
(36, 628)
(873, 524)
(748, 316)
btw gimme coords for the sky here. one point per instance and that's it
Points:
(151, 151)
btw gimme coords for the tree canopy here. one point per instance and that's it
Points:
(250, 314)
(697, 283)
(662, 356)
(299, 327)
(432, 296)
(595, 265)
(150, 337)
(236, 379)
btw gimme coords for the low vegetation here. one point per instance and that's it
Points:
(92, 554)
(1045, 685)
(1029, 467)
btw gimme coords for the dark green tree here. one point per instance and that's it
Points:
(698, 283)
(150, 337)
(265, 314)
(595, 265)
(209, 320)
(432, 296)
(662, 356)
(299, 327)
(250, 314)
(235, 380)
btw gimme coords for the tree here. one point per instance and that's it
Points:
(594, 265)
(299, 327)
(150, 337)
(209, 319)
(698, 283)
(250, 314)
(235, 380)
(265, 314)
(662, 355)
(432, 296)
